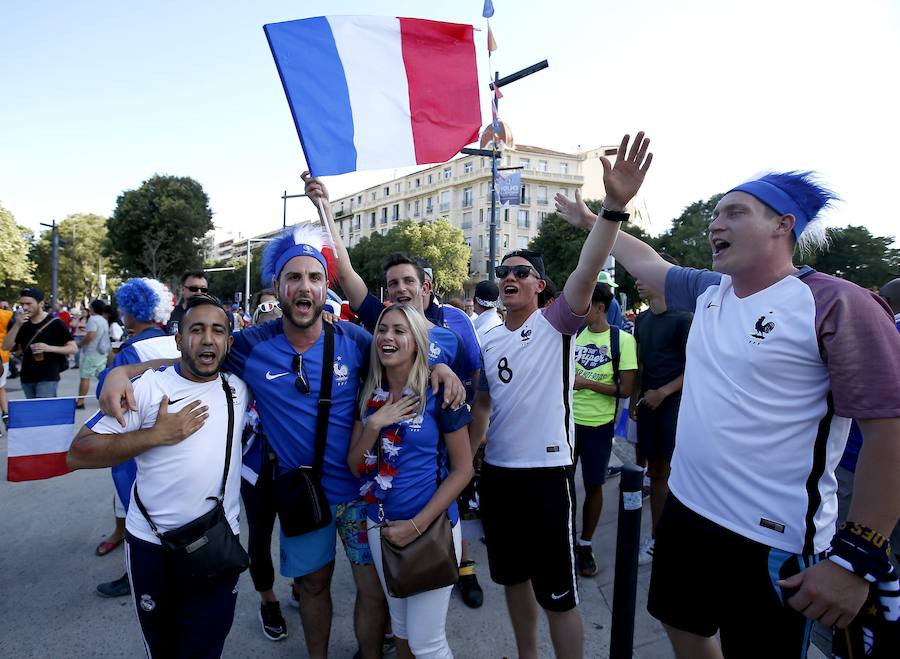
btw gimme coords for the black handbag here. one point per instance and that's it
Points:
(428, 562)
(298, 493)
(205, 550)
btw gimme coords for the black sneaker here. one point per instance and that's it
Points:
(118, 588)
(584, 556)
(273, 625)
(469, 589)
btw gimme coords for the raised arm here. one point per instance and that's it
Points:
(622, 181)
(636, 256)
(354, 286)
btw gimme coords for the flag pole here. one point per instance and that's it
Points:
(324, 219)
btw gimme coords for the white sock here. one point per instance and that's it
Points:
(584, 543)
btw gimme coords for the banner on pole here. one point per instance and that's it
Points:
(509, 188)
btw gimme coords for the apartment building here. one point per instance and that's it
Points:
(459, 191)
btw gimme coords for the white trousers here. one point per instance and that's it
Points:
(420, 619)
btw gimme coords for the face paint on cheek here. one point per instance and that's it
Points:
(403, 341)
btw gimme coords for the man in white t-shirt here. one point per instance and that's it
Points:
(177, 436)
(487, 299)
(527, 492)
(779, 360)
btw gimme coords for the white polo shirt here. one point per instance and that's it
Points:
(771, 383)
(175, 481)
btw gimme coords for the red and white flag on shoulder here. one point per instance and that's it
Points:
(40, 433)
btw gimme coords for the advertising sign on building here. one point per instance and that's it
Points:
(509, 187)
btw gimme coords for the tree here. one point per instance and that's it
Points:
(226, 283)
(16, 269)
(82, 239)
(858, 256)
(438, 242)
(687, 241)
(156, 229)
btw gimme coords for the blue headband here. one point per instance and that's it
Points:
(778, 200)
(796, 193)
(298, 250)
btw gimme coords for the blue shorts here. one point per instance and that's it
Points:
(307, 553)
(593, 446)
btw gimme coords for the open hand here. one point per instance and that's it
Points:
(172, 428)
(395, 411)
(575, 212)
(314, 189)
(624, 179)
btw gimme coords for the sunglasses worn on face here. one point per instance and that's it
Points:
(520, 271)
(301, 384)
(267, 307)
(197, 289)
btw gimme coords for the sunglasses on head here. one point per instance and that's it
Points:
(197, 289)
(520, 271)
(267, 307)
(301, 384)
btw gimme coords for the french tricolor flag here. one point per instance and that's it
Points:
(40, 433)
(372, 92)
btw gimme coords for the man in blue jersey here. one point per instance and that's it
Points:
(282, 363)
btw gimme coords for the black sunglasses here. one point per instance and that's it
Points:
(301, 384)
(197, 289)
(520, 271)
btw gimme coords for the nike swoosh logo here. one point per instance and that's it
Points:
(269, 375)
(711, 305)
(558, 597)
(177, 400)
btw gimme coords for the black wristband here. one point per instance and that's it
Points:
(614, 216)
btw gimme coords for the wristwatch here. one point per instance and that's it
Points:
(614, 216)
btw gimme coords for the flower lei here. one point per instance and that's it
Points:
(379, 477)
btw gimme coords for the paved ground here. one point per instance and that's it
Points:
(48, 572)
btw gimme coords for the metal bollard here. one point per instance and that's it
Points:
(628, 536)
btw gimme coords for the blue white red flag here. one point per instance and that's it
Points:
(372, 92)
(40, 432)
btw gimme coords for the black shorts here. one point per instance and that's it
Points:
(707, 579)
(593, 446)
(529, 527)
(656, 429)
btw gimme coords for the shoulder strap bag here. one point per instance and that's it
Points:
(428, 562)
(205, 550)
(298, 493)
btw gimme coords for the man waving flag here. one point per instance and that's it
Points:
(371, 92)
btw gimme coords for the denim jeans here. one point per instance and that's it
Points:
(45, 389)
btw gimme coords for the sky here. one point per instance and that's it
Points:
(99, 96)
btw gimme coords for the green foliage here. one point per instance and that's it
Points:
(157, 228)
(686, 240)
(16, 268)
(82, 239)
(438, 242)
(855, 254)
(226, 283)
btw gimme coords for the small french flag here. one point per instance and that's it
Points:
(40, 433)
(372, 92)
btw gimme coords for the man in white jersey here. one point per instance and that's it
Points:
(178, 436)
(779, 359)
(527, 500)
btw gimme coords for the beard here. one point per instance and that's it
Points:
(288, 312)
(193, 366)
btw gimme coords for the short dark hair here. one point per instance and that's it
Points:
(399, 258)
(202, 300)
(602, 293)
(197, 274)
(98, 306)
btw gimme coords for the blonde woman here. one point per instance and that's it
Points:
(421, 443)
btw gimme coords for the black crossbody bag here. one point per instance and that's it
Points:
(298, 493)
(205, 550)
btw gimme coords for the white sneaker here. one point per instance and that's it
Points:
(645, 551)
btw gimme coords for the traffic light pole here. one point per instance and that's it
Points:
(54, 261)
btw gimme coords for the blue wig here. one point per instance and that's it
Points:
(148, 300)
(307, 239)
(795, 193)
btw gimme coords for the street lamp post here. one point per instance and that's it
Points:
(54, 260)
(284, 199)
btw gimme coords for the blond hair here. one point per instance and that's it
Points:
(419, 378)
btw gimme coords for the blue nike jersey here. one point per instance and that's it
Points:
(262, 357)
